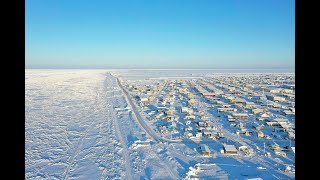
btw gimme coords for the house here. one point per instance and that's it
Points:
(290, 96)
(226, 105)
(288, 113)
(190, 95)
(203, 117)
(279, 129)
(249, 104)
(259, 98)
(226, 109)
(159, 114)
(192, 102)
(286, 90)
(144, 99)
(171, 118)
(170, 111)
(186, 110)
(291, 135)
(280, 153)
(260, 134)
(276, 146)
(207, 133)
(203, 92)
(220, 135)
(202, 124)
(231, 119)
(273, 124)
(257, 110)
(199, 134)
(243, 148)
(240, 116)
(208, 94)
(275, 98)
(190, 117)
(277, 122)
(189, 129)
(161, 109)
(220, 102)
(280, 120)
(240, 105)
(267, 103)
(230, 149)
(264, 115)
(259, 128)
(241, 131)
(248, 133)
(205, 150)
(274, 90)
(241, 125)
(287, 127)
(238, 101)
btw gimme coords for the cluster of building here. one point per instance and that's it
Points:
(258, 107)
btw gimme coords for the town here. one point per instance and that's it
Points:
(242, 116)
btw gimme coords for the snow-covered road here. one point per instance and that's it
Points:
(142, 122)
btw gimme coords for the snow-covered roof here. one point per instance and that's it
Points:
(239, 114)
(230, 148)
(248, 102)
(204, 148)
(280, 120)
(207, 131)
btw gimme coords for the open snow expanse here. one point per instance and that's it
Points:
(72, 131)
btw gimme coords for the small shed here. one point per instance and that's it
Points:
(205, 150)
(260, 134)
(206, 133)
(230, 149)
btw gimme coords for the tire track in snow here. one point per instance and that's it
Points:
(121, 138)
(125, 149)
(80, 142)
(153, 135)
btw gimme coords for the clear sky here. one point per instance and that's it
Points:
(160, 34)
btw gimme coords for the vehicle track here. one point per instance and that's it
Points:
(141, 122)
(151, 133)
(80, 142)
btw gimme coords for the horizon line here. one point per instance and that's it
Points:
(166, 68)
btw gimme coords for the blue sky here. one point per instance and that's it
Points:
(160, 34)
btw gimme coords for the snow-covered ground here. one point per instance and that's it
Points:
(73, 131)
(80, 124)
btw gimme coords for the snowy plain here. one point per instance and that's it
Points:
(72, 131)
